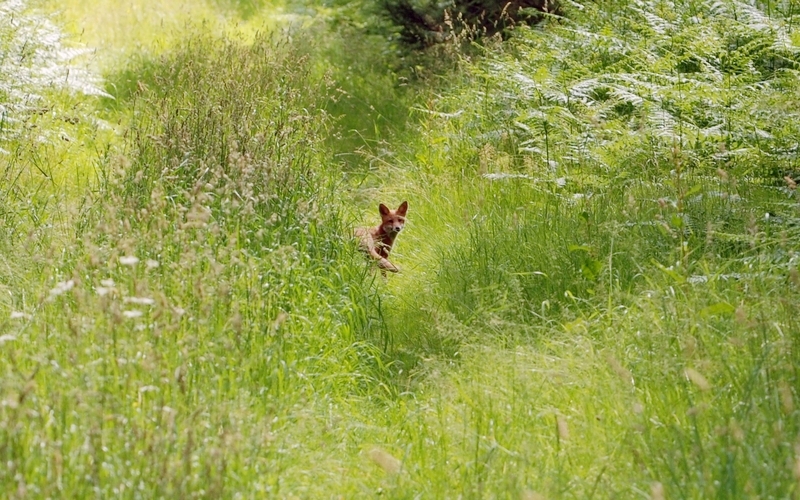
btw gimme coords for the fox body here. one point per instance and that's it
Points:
(377, 242)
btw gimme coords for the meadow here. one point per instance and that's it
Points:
(600, 269)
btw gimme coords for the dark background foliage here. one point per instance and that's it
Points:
(429, 22)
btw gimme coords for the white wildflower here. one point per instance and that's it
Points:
(129, 260)
(61, 287)
(6, 338)
(146, 301)
(133, 313)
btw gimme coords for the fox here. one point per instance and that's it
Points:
(377, 242)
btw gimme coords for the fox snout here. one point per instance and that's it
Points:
(393, 226)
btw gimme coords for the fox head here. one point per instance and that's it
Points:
(392, 221)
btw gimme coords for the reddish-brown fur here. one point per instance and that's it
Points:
(377, 242)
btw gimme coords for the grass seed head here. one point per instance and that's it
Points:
(657, 491)
(562, 427)
(385, 460)
(797, 464)
(697, 379)
(623, 373)
(532, 495)
(740, 315)
(689, 347)
(794, 276)
(787, 400)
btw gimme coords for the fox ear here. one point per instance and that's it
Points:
(383, 209)
(403, 208)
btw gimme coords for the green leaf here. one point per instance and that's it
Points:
(579, 248)
(591, 269)
(718, 309)
(694, 190)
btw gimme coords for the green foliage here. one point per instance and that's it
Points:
(245, 8)
(234, 161)
(238, 124)
(604, 184)
(45, 122)
(599, 271)
(714, 88)
(424, 23)
(210, 270)
(369, 105)
(603, 119)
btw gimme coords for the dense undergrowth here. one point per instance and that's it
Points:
(610, 189)
(599, 286)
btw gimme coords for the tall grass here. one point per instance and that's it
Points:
(598, 191)
(599, 269)
(47, 124)
(210, 275)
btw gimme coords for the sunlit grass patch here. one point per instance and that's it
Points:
(674, 388)
(121, 29)
(209, 273)
(618, 213)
